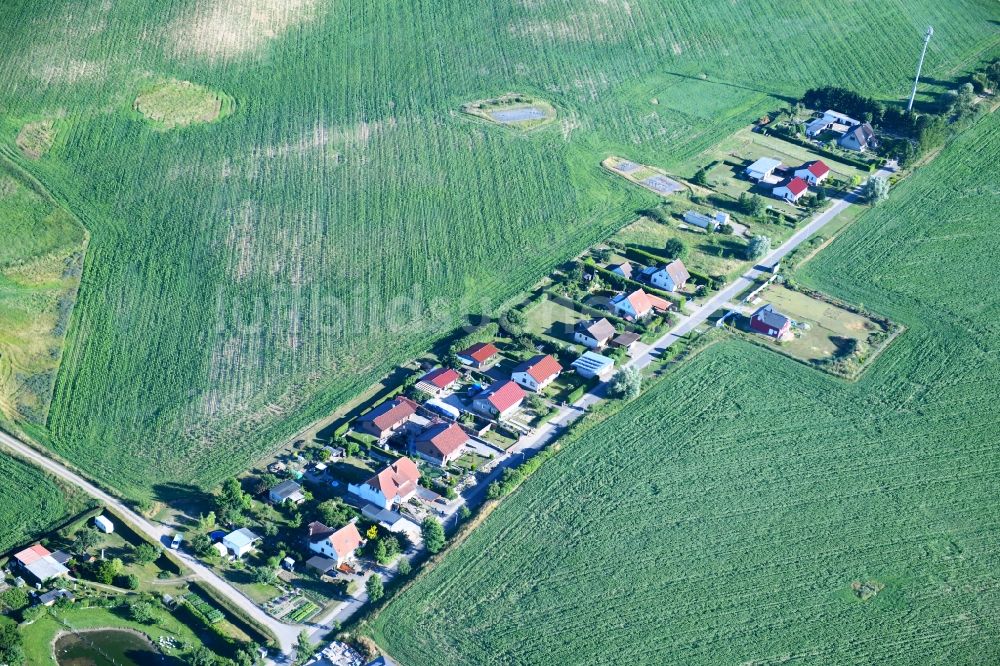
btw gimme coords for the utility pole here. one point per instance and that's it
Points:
(920, 65)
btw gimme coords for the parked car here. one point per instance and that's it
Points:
(175, 543)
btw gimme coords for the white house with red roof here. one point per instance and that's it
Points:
(394, 484)
(338, 545)
(537, 372)
(479, 355)
(638, 305)
(500, 400)
(438, 380)
(814, 172)
(440, 443)
(38, 561)
(387, 418)
(792, 191)
(671, 277)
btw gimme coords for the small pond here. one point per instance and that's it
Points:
(105, 647)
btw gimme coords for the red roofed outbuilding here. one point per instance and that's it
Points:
(792, 191)
(479, 355)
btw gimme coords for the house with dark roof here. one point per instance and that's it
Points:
(768, 321)
(593, 333)
(814, 172)
(859, 138)
(500, 400)
(338, 545)
(671, 277)
(537, 372)
(394, 484)
(791, 191)
(480, 355)
(387, 418)
(638, 305)
(626, 341)
(438, 380)
(286, 491)
(440, 443)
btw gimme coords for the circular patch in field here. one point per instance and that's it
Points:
(513, 110)
(176, 103)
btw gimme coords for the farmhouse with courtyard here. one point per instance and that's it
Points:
(385, 419)
(39, 563)
(337, 545)
(814, 172)
(593, 333)
(440, 443)
(829, 120)
(792, 191)
(500, 400)
(671, 277)
(395, 483)
(768, 321)
(537, 372)
(479, 356)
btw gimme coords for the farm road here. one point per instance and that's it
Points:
(284, 633)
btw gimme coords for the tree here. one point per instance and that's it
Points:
(129, 582)
(265, 482)
(494, 491)
(145, 553)
(876, 190)
(303, 647)
(386, 549)
(107, 570)
(752, 204)
(232, 499)
(464, 512)
(628, 383)
(674, 248)
(700, 177)
(11, 651)
(758, 246)
(433, 534)
(14, 598)
(86, 539)
(372, 532)
(265, 575)
(375, 588)
(202, 656)
(206, 521)
(404, 567)
(333, 513)
(201, 544)
(141, 611)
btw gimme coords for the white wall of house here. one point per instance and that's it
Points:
(586, 340)
(369, 494)
(663, 280)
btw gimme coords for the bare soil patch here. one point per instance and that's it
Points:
(36, 138)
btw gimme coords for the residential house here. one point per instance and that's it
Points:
(387, 418)
(859, 138)
(828, 120)
(240, 542)
(624, 269)
(321, 564)
(440, 443)
(537, 372)
(792, 191)
(593, 333)
(709, 223)
(627, 341)
(480, 355)
(762, 168)
(38, 561)
(52, 596)
(638, 305)
(768, 321)
(104, 524)
(814, 172)
(286, 491)
(438, 380)
(591, 364)
(337, 545)
(671, 277)
(395, 483)
(500, 400)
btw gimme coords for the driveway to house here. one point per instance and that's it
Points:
(286, 634)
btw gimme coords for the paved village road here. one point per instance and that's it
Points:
(531, 444)
(286, 634)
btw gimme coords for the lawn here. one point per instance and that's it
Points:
(246, 276)
(553, 320)
(745, 507)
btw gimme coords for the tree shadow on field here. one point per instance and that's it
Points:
(184, 497)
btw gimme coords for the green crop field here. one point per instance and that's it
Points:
(744, 509)
(30, 502)
(247, 275)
